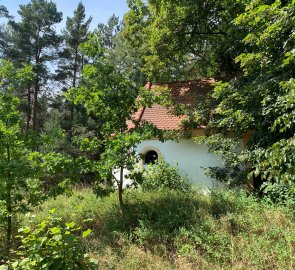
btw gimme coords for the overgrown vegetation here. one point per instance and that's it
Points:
(259, 102)
(75, 124)
(175, 230)
(52, 245)
(163, 176)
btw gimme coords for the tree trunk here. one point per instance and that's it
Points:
(29, 109)
(35, 105)
(71, 104)
(74, 82)
(120, 190)
(37, 88)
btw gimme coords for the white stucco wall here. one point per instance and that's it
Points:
(191, 157)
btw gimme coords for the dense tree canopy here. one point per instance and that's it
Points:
(109, 31)
(261, 101)
(71, 62)
(184, 39)
(33, 40)
(71, 59)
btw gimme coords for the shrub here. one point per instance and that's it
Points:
(161, 176)
(279, 193)
(52, 246)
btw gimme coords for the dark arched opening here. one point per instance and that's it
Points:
(151, 157)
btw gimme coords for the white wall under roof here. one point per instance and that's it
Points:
(191, 157)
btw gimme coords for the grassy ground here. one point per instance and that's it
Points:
(170, 230)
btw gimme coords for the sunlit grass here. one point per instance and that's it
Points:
(172, 230)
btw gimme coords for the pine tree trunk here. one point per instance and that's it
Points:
(71, 104)
(74, 83)
(37, 89)
(35, 105)
(29, 109)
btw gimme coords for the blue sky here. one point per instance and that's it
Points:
(100, 10)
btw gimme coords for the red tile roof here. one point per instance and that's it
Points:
(184, 92)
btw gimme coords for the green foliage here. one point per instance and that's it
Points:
(169, 229)
(128, 58)
(4, 12)
(70, 65)
(130, 50)
(162, 176)
(159, 40)
(75, 33)
(24, 174)
(56, 171)
(34, 41)
(110, 97)
(17, 175)
(183, 39)
(279, 193)
(37, 21)
(108, 94)
(52, 245)
(260, 102)
(108, 32)
(232, 171)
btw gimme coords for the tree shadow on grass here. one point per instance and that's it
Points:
(153, 219)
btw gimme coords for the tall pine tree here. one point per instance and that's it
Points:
(109, 31)
(34, 40)
(4, 12)
(71, 60)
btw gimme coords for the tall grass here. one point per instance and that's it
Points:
(174, 230)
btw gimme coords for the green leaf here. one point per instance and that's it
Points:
(71, 225)
(86, 233)
(57, 237)
(52, 211)
(55, 230)
(25, 230)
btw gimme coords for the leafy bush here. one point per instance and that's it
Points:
(279, 193)
(52, 246)
(161, 176)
